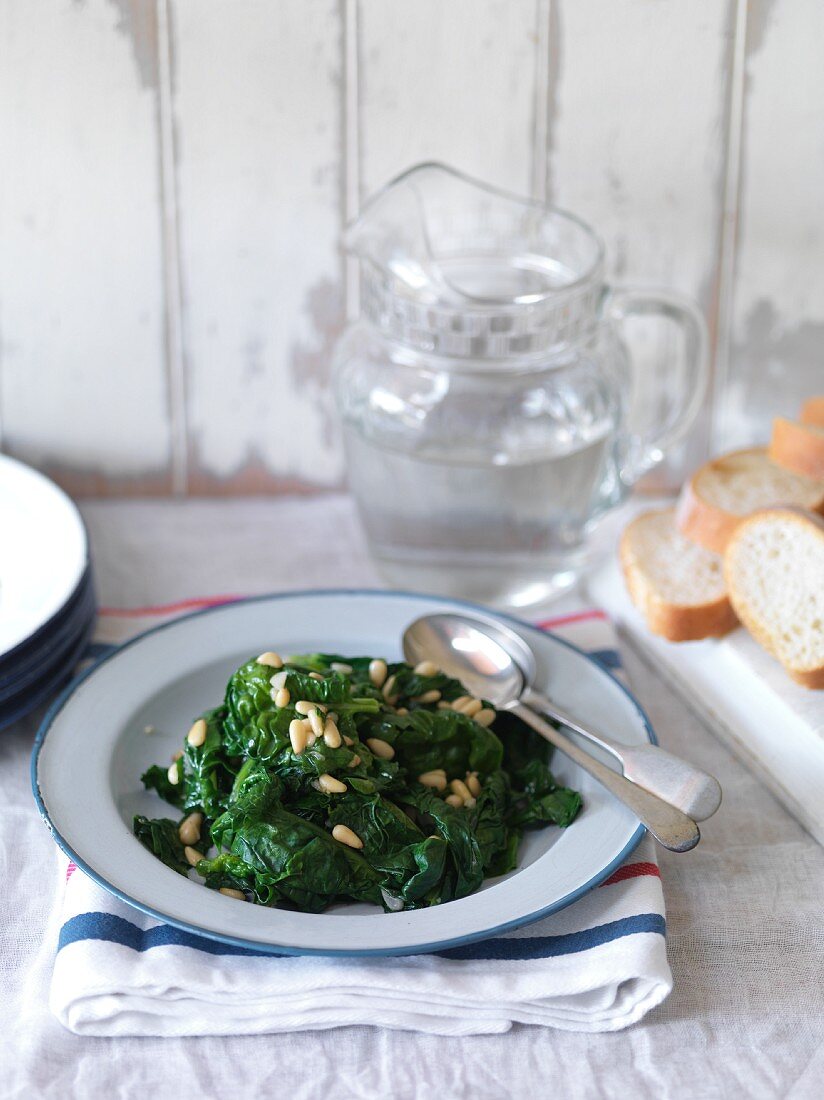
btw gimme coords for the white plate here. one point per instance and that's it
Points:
(92, 749)
(43, 551)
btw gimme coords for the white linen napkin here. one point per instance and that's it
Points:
(598, 965)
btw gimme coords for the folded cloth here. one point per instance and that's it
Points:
(598, 965)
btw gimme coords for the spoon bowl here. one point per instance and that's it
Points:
(496, 665)
(492, 662)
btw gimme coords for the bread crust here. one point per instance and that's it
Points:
(675, 622)
(797, 447)
(706, 524)
(812, 412)
(812, 678)
(702, 522)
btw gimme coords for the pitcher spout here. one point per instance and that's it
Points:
(441, 236)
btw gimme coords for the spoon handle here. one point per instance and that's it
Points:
(675, 780)
(670, 827)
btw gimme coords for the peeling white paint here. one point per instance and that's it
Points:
(81, 293)
(257, 110)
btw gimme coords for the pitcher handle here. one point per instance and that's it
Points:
(643, 450)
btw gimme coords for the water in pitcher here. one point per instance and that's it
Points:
(507, 533)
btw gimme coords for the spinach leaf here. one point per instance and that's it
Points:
(160, 837)
(208, 773)
(156, 778)
(427, 739)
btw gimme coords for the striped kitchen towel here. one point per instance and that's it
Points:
(598, 965)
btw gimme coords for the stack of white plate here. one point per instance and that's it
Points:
(47, 604)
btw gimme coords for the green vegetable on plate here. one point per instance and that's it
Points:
(325, 778)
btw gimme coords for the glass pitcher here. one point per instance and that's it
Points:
(485, 390)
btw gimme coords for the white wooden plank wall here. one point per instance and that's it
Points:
(637, 146)
(775, 343)
(176, 174)
(83, 383)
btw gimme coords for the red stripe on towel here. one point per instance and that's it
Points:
(632, 870)
(72, 867)
(168, 608)
(575, 617)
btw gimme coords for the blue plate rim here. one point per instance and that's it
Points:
(44, 628)
(50, 650)
(277, 949)
(37, 693)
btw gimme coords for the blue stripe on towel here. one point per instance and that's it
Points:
(106, 926)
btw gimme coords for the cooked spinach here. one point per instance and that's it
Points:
(275, 824)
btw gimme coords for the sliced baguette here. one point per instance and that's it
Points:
(774, 569)
(812, 411)
(720, 494)
(798, 447)
(677, 586)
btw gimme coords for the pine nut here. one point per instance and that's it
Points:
(380, 748)
(348, 742)
(427, 668)
(454, 800)
(273, 660)
(197, 734)
(401, 711)
(377, 672)
(316, 722)
(460, 702)
(485, 717)
(331, 734)
(297, 735)
(282, 697)
(228, 892)
(473, 707)
(433, 779)
(193, 856)
(473, 783)
(388, 687)
(174, 773)
(345, 835)
(189, 829)
(354, 762)
(339, 666)
(429, 697)
(458, 787)
(443, 705)
(278, 681)
(315, 676)
(303, 706)
(330, 785)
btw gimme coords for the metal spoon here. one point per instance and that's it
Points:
(490, 661)
(674, 780)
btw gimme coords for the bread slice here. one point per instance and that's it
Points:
(812, 411)
(678, 587)
(774, 569)
(719, 495)
(798, 447)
